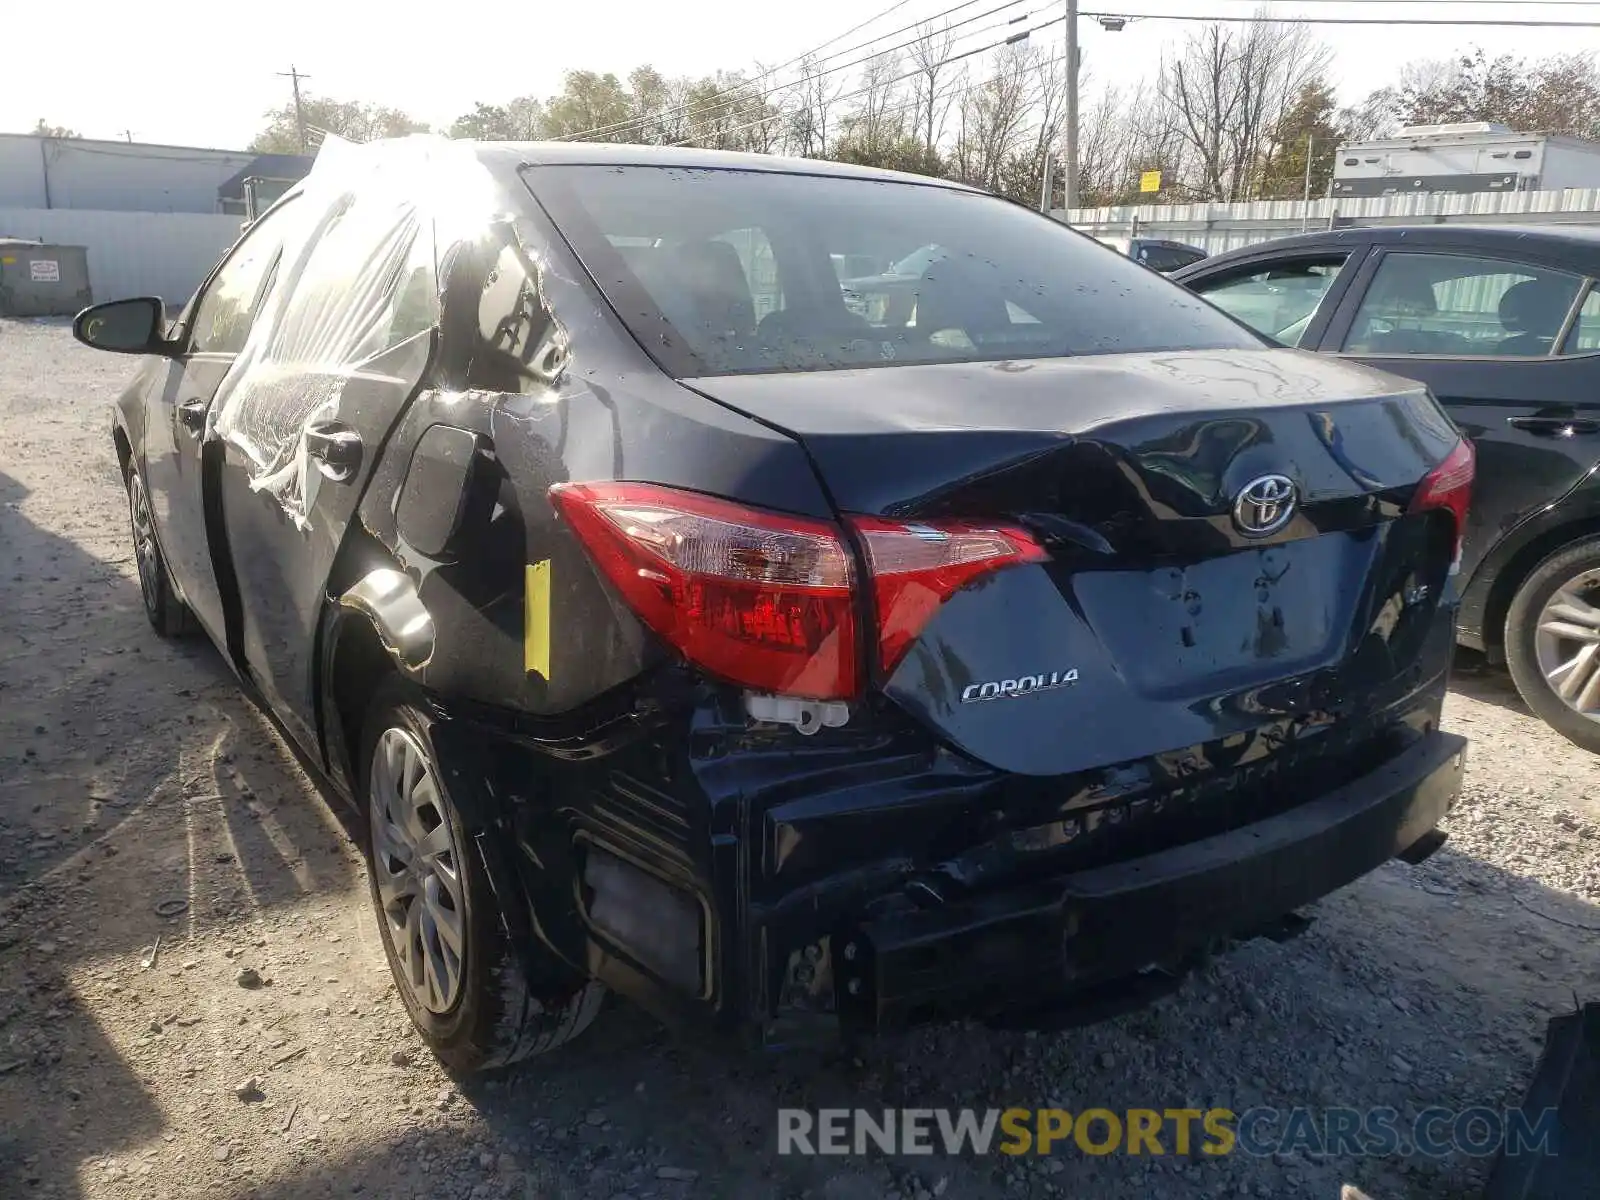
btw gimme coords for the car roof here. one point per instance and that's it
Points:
(1582, 238)
(509, 156)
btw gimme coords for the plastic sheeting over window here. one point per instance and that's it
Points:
(357, 276)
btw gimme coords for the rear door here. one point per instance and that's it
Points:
(1498, 340)
(214, 330)
(345, 339)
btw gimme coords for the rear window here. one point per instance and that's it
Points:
(722, 272)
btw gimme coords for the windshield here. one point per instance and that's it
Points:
(735, 271)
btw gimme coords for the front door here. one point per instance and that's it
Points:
(1499, 343)
(213, 332)
(343, 343)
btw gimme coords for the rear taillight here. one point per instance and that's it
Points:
(1449, 486)
(760, 599)
(765, 599)
(916, 568)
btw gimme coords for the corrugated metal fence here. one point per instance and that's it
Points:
(132, 253)
(1218, 227)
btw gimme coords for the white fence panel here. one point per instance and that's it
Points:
(132, 253)
(1218, 227)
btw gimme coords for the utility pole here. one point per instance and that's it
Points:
(1305, 214)
(1044, 192)
(299, 113)
(1070, 158)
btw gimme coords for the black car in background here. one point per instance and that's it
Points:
(1159, 254)
(680, 631)
(1503, 325)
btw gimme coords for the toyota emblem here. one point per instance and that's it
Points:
(1264, 505)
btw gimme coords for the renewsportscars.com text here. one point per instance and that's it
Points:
(1258, 1132)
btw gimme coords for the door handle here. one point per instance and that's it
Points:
(1553, 426)
(192, 416)
(335, 448)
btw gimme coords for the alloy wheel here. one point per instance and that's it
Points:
(1567, 643)
(418, 870)
(144, 542)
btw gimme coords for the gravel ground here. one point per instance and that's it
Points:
(181, 915)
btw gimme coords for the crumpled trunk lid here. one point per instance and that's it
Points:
(1173, 609)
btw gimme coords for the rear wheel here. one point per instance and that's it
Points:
(462, 983)
(1552, 642)
(169, 616)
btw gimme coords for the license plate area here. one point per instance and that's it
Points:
(1273, 612)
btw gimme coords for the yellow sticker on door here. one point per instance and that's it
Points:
(536, 620)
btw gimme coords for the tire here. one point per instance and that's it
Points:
(169, 616)
(484, 1016)
(1535, 654)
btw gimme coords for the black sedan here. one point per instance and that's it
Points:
(681, 632)
(1503, 325)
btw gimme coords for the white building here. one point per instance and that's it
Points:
(153, 220)
(82, 173)
(1473, 157)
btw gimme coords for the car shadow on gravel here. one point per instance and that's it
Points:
(1472, 675)
(144, 804)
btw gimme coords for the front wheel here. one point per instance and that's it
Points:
(462, 983)
(1552, 642)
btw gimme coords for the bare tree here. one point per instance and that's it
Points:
(930, 56)
(810, 106)
(1227, 87)
(992, 118)
(878, 119)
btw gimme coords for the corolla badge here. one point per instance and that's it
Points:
(1023, 685)
(1264, 505)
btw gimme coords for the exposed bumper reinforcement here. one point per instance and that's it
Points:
(992, 953)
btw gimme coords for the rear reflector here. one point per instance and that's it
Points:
(767, 600)
(916, 568)
(1449, 486)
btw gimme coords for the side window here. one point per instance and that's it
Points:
(1278, 301)
(1585, 335)
(520, 347)
(366, 283)
(1457, 304)
(223, 317)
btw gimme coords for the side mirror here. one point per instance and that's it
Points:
(125, 326)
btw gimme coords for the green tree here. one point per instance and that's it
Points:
(45, 129)
(589, 101)
(348, 119)
(1309, 125)
(519, 120)
(905, 151)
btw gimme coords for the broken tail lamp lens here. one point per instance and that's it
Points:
(916, 568)
(759, 599)
(766, 599)
(1449, 486)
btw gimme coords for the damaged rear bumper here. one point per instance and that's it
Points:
(1043, 944)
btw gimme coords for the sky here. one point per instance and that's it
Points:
(191, 72)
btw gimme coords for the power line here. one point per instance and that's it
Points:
(1276, 20)
(1451, 3)
(1016, 37)
(631, 122)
